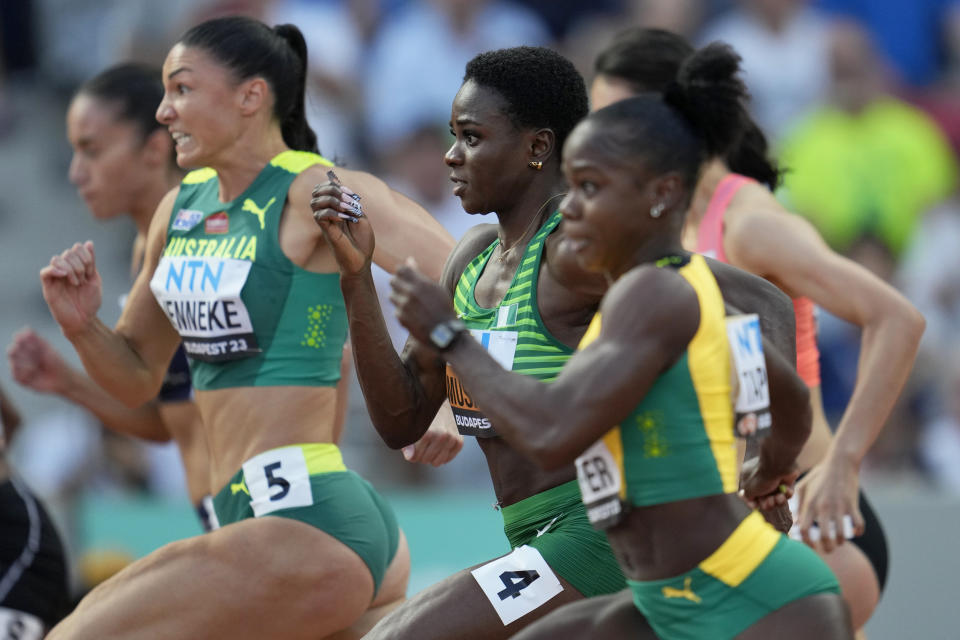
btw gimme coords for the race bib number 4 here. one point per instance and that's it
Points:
(517, 583)
(752, 406)
(599, 478)
(501, 345)
(201, 297)
(17, 625)
(277, 479)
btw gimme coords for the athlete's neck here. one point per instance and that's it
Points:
(651, 251)
(713, 172)
(527, 213)
(239, 165)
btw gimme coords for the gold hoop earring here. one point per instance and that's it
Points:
(535, 164)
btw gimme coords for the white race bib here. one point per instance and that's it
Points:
(17, 625)
(752, 406)
(277, 479)
(600, 484)
(201, 297)
(517, 583)
(470, 420)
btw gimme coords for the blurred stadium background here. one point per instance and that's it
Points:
(383, 75)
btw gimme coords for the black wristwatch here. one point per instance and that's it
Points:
(444, 334)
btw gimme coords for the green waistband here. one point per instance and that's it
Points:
(532, 509)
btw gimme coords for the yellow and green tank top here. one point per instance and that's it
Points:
(248, 316)
(512, 332)
(678, 443)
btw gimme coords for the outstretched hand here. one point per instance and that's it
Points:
(72, 287)
(339, 214)
(421, 304)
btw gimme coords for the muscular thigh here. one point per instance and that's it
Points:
(610, 617)
(823, 616)
(271, 577)
(458, 607)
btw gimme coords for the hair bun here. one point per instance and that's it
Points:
(710, 95)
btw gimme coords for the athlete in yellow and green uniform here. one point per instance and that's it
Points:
(652, 384)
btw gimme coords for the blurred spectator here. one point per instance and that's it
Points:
(921, 38)
(939, 442)
(334, 100)
(418, 59)
(866, 163)
(929, 275)
(561, 15)
(784, 45)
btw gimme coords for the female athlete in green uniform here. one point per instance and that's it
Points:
(237, 270)
(509, 283)
(650, 388)
(737, 219)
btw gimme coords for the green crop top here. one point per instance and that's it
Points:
(248, 316)
(678, 443)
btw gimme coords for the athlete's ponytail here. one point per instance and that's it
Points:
(296, 131)
(250, 48)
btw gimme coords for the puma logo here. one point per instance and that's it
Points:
(251, 206)
(685, 593)
(237, 487)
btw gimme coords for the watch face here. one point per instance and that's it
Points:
(441, 336)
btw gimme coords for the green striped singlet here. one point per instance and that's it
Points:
(248, 316)
(513, 332)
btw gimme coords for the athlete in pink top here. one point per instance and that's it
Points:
(710, 243)
(746, 226)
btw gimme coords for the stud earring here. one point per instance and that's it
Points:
(535, 164)
(656, 210)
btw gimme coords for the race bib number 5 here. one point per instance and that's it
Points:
(277, 479)
(517, 583)
(752, 406)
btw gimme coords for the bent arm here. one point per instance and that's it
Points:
(402, 394)
(787, 249)
(790, 412)
(129, 362)
(142, 422)
(402, 227)
(600, 385)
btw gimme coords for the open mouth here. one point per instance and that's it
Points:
(181, 139)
